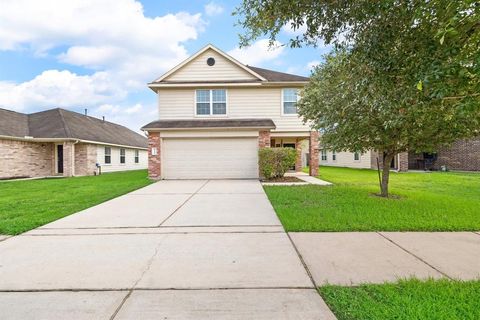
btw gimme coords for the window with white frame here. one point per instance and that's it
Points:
(108, 155)
(324, 155)
(289, 100)
(356, 156)
(137, 156)
(334, 155)
(122, 155)
(211, 102)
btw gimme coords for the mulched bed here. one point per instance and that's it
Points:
(283, 179)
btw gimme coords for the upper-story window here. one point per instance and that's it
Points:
(289, 101)
(211, 102)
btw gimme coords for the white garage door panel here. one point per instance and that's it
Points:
(210, 158)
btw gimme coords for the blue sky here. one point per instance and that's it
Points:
(99, 55)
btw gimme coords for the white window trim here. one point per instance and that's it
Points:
(135, 152)
(120, 156)
(211, 115)
(359, 157)
(334, 153)
(281, 105)
(104, 154)
(326, 155)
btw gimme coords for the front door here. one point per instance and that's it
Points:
(59, 158)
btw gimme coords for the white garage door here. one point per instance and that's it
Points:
(210, 158)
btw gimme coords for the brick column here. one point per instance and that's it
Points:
(313, 153)
(403, 162)
(68, 159)
(298, 149)
(264, 139)
(154, 159)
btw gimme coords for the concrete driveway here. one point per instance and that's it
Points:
(173, 250)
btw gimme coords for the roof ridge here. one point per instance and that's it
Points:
(13, 111)
(65, 127)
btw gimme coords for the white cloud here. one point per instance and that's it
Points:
(124, 49)
(290, 30)
(313, 64)
(133, 117)
(54, 88)
(213, 9)
(257, 53)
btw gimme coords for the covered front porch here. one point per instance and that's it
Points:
(305, 144)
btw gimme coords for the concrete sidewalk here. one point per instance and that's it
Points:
(351, 258)
(174, 249)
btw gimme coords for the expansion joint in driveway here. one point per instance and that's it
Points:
(184, 202)
(149, 264)
(415, 256)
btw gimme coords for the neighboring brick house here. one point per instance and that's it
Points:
(61, 142)
(215, 113)
(463, 155)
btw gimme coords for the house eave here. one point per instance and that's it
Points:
(55, 140)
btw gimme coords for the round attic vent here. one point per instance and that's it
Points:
(210, 61)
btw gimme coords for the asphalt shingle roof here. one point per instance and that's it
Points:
(210, 123)
(276, 76)
(61, 123)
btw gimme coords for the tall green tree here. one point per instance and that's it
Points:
(405, 75)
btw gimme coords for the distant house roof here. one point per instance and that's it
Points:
(210, 123)
(276, 76)
(63, 124)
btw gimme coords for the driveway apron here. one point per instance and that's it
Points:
(200, 249)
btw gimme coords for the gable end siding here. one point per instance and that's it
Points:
(198, 70)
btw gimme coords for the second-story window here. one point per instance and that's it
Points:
(289, 100)
(211, 102)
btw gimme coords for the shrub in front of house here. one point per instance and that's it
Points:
(274, 162)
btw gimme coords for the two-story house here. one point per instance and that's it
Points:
(215, 113)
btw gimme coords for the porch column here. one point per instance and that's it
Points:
(298, 149)
(403, 162)
(313, 153)
(68, 159)
(154, 159)
(264, 139)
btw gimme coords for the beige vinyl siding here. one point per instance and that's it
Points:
(346, 159)
(198, 70)
(241, 103)
(115, 164)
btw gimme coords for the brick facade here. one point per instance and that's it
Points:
(26, 159)
(85, 159)
(313, 153)
(462, 155)
(402, 162)
(264, 139)
(154, 160)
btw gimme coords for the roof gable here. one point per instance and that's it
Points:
(195, 68)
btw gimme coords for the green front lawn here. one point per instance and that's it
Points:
(412, 299)
(27, 204)
(434, 201)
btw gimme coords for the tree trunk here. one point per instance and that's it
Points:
(387, 159)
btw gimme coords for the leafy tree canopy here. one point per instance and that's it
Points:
(404, 75)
